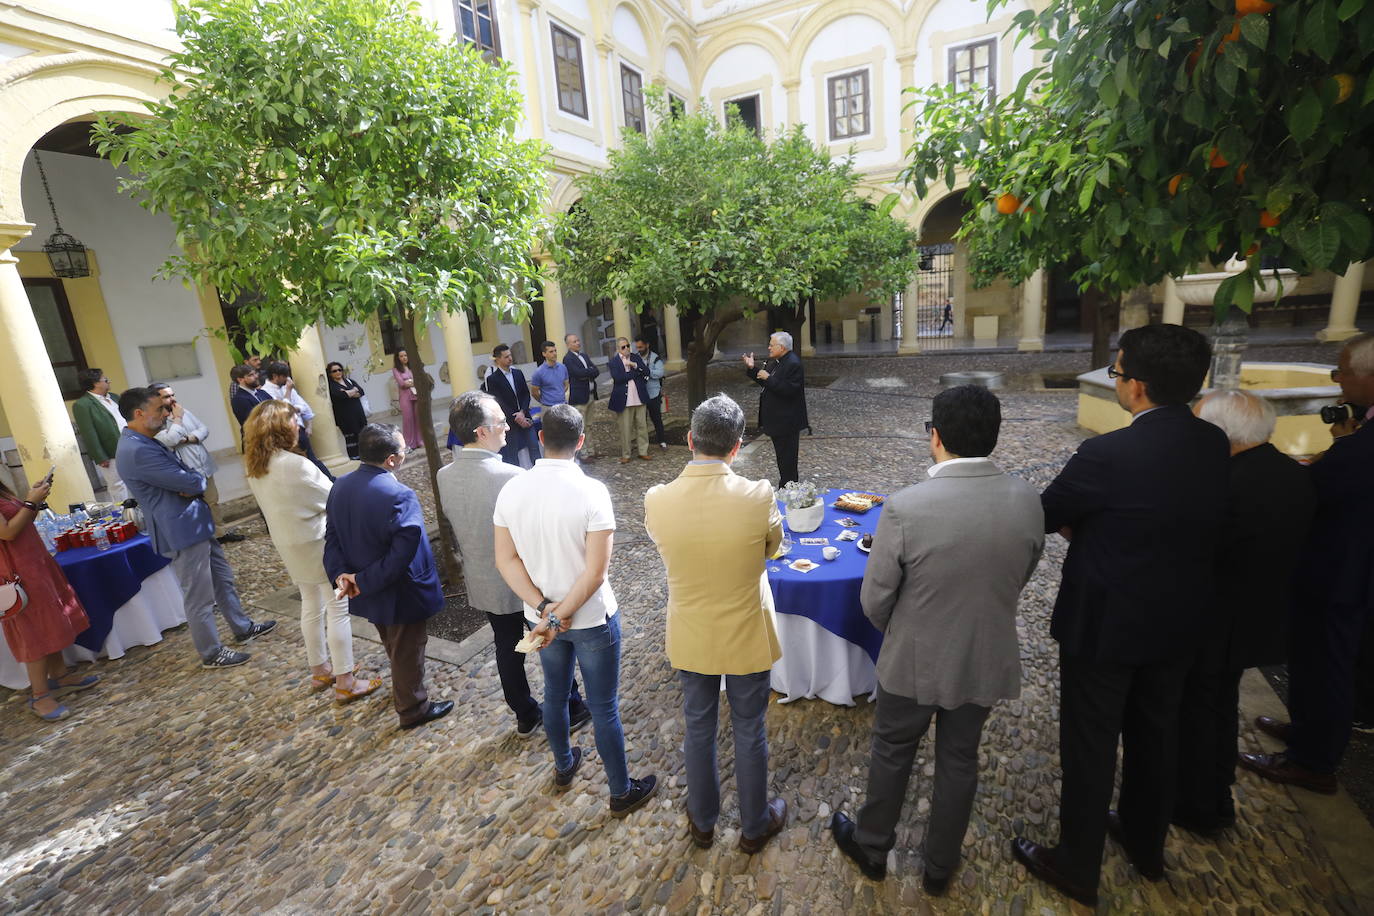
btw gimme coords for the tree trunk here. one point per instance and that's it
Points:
(424, 390)
(706, 331)
(1105, 312)
(795, 318)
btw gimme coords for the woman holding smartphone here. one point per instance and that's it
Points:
(38, 631)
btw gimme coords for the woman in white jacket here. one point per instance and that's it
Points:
(292, 493)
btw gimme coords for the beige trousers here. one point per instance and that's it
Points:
(634, 424)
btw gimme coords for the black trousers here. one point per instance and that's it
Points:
(1208, 732)
(304, 439)
(786, 446)
(506, 631)
(655, 408)
(1099, 703)
(1323, 646)
(1364, 675)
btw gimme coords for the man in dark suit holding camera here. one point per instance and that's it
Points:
(1142, 508)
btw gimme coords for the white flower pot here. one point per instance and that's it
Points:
(800, 521)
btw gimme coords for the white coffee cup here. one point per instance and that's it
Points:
(830, 553)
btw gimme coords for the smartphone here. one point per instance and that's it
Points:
(52, 470)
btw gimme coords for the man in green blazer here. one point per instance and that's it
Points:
(99, 422)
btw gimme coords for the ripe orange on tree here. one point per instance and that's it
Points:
(1346, 84)
(1240, 173)
(1216, 160)
(1268, 220)
(1174, 183)
(1246, 7)
(1230, 36)
(1008, 203)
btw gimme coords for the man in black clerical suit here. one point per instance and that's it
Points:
(782, 404)
(507, 384)
(1142, 508)
(1269, 507)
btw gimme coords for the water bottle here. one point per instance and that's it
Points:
(102, 540)
(44, 526)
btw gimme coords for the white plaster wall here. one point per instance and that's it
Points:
(578, 9)
(122, 16)
(842, 39)
(746, 63)
(131, 245)
(702, 11)
(676, 71)
(629, 35)
(10, 52)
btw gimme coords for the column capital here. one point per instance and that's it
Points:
(12, 233)
(524, 6)
(906, 59)
(605, 46)
(792, 83)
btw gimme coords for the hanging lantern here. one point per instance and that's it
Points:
(66, 255)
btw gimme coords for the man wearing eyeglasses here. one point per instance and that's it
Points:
(468, 487)
(377, 554)
(629, 396)
(1142, 508)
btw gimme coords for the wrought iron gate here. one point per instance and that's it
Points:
(933, 308)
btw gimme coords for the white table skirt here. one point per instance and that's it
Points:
(139, 622)
(817, 663)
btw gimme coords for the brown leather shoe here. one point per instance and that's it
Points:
(646, 457)
(702, 838)
(1275, 728)
(1278, 768)
(1039, 861)
(1149, 871)
(777, 819)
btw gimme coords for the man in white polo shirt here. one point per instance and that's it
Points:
(554, 527)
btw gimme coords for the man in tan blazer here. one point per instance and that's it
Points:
(715, 531)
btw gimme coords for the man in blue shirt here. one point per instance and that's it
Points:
(655, 387)
(181, 527)
(549, 383)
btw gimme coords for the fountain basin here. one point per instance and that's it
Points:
(1297, 391)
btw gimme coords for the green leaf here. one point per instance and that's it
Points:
(1085, 196)
(1304, 116)
(1349, 8)
(1195, 109)
(1243, 296)
(1321, 28)
(1280, 198)
(1226, 292)
(1368, 90)
(1255, 29)
(1107, 91)
(1165, 47)
(1354, 227)
(1319, 241)
(1226, 72)
(1125, 77)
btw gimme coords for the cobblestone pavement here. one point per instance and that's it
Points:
(176, 790)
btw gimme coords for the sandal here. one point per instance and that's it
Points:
(57, 688)
(361, 689)
(61, 712)
(319, 682)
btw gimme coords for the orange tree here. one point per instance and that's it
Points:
(1156, 136)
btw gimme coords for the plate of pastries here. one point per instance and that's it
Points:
(857, 502)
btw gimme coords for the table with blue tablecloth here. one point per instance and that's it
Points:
(829, 649)
(130, 594)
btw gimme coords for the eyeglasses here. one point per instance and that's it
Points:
(499, 424)
(929, 426)
(1113, 372)
(1335, 375)
(624, 346)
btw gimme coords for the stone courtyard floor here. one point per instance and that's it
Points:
(176, 790)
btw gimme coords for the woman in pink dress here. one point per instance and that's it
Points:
(54, 615)
(405, 394)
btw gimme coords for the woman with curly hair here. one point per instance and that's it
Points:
(292, 493)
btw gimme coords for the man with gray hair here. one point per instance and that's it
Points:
(1268, 510)
(720, 617)
(1337, 599)
(782, 404)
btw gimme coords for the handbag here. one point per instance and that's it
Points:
(13, 598)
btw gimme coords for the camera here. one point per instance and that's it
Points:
(1340, 413)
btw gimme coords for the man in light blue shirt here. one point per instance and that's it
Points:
(181, 528)
(549, 383)
(655, 386)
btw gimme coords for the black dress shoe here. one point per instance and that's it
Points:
(1208, 830)
(702, 838)
(842, 829)
(1278, 768)
(1148, 871)
(230, 537)
(436, 711)
(777, 819)
(1039, 861)
(934, 887)
(1275, 728)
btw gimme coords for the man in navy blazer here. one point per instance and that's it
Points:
(247, 394)
(1142, 508)
(1335, 594)
(629, 399)
(582, 373)
(507, 385)
(377, 553)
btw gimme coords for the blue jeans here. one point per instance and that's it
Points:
(596, 650)
(748, 695)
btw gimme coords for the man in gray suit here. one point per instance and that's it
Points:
(949, 560)
(468, 488)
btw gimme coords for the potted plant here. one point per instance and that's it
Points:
(805, 509)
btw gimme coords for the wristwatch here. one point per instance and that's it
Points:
(543, 604)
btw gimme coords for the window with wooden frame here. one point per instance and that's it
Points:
(632, 92)
(849, 104)
(567, 67)
(48, 299)
(745, 111)
(973, 65)
(392, 337)
(474, 326)
(477, 24)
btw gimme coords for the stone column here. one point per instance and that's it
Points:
(1173, 303)
(806, 344)
(793, 88)
(672, 331)
(555, 322)
(611, 80)
(910, 326)
(906, 63)
(462, 376)
(1135, 309)
(29, 392)
(307, 367)
(623, 328)
(1345, 301)
(1033, 313)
